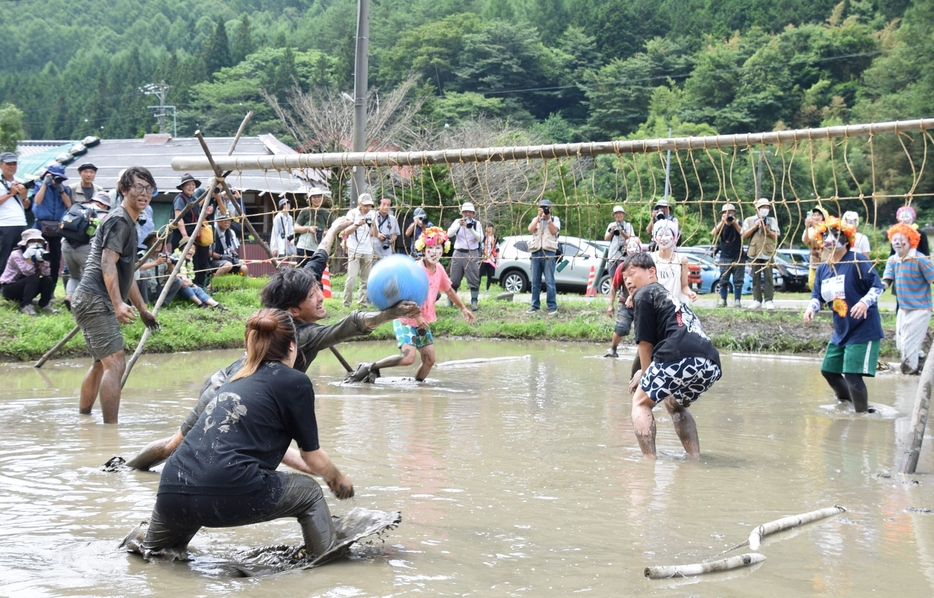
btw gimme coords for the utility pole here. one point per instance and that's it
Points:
(359, 90)
(760, 156)
(160, 90)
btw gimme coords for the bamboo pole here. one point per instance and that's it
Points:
(733, 562)
(219, 176)
(165, 289)
(919, 416)
(565, 150)
(57, 346)
(787, 522)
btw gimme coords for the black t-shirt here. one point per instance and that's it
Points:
(671, 327)
(243, 434)
(731, 243)
(118, 233)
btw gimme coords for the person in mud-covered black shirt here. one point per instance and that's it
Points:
(679, 363)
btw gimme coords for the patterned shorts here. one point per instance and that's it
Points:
(409, 335)
(685, 380)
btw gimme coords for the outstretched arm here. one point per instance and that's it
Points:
(319, 464)
(156, 452)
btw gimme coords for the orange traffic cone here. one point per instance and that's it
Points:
(591, 283)
(326, 283)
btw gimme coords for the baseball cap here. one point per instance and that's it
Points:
(8, 158)
(365, 199)
(618, 209)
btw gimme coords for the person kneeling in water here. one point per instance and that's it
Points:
(224, 473)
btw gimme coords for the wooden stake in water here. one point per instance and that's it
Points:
(919, 416)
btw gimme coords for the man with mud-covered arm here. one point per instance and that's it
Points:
(99, 303)
(297, 291)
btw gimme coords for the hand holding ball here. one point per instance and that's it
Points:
(397, 278)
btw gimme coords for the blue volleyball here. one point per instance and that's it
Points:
(397, 278)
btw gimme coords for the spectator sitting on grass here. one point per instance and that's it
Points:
(189, 289)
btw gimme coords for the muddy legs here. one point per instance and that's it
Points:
(684, 426)
(850, 388)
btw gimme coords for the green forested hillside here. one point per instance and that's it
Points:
(75, 67)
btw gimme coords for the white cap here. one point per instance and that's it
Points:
(618, 209)
(365, 199)
(468, 207)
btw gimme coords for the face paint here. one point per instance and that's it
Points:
(665, 238)
(906, 217)
(901, 245)
(831, 239)
(433, 253)
(764, 212)
(633, 246)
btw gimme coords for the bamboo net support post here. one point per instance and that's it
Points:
(58, 345)
(788, 522)
(919, 416)
(236, 140)
(218, 175)
(168, 283)
(733, 562)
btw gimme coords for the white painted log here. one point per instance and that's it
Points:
(788, 522)
(478, 360)
(733, 562)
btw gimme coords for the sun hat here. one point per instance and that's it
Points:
(727, 207)
(468, 207)
(365, 199)
(187, 178)
(31, 234)
(618, 209)
(102, 197)
(763, 201)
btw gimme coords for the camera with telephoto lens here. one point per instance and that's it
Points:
(730, 218)
(290, 237)
(659, 216)
(386, 245)
(546, 210)
(233, 258)
(470, 222)
(172, 257)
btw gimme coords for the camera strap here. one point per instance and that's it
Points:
(9, 189)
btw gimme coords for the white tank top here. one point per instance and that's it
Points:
(669, 274)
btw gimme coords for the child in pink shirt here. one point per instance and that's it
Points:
(414, 335)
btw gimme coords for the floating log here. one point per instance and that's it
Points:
(788, 522)
(733, 562)
(478, 360)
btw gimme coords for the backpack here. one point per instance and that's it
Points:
(76, 225)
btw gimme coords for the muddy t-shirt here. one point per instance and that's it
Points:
(118, 233)
(243, 434)
(671, 327)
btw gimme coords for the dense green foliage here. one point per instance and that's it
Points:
(564, 70)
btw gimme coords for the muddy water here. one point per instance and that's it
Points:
(514, 478)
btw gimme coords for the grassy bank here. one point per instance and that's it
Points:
(186, 327)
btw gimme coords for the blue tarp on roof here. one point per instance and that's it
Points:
(33, 165)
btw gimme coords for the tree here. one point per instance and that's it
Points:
(243, 41)
(216, 53)
(11, 127)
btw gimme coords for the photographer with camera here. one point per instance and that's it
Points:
(224, 255)
(544, 246)
(420, 224)
(618, 233)
(727, 234)
(282, 237)
(761, 232)
(28, 274)
(359, 249)
(13, 205)
(155, 272)
(468, 237)
(78, 226)
(311, 224)
(661, 211)
(384, 230)
(50, 201)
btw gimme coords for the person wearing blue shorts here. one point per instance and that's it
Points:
(678, 361)
(848, 282)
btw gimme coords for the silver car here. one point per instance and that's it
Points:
(572, 272)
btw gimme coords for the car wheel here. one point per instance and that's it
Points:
(514, 281)
(605, 283)
(716, 288)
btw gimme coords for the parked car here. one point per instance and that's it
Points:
(708, 272)
(794, 274)
(513, 272)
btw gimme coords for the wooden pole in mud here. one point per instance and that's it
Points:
(58, 346)
(919, 416)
